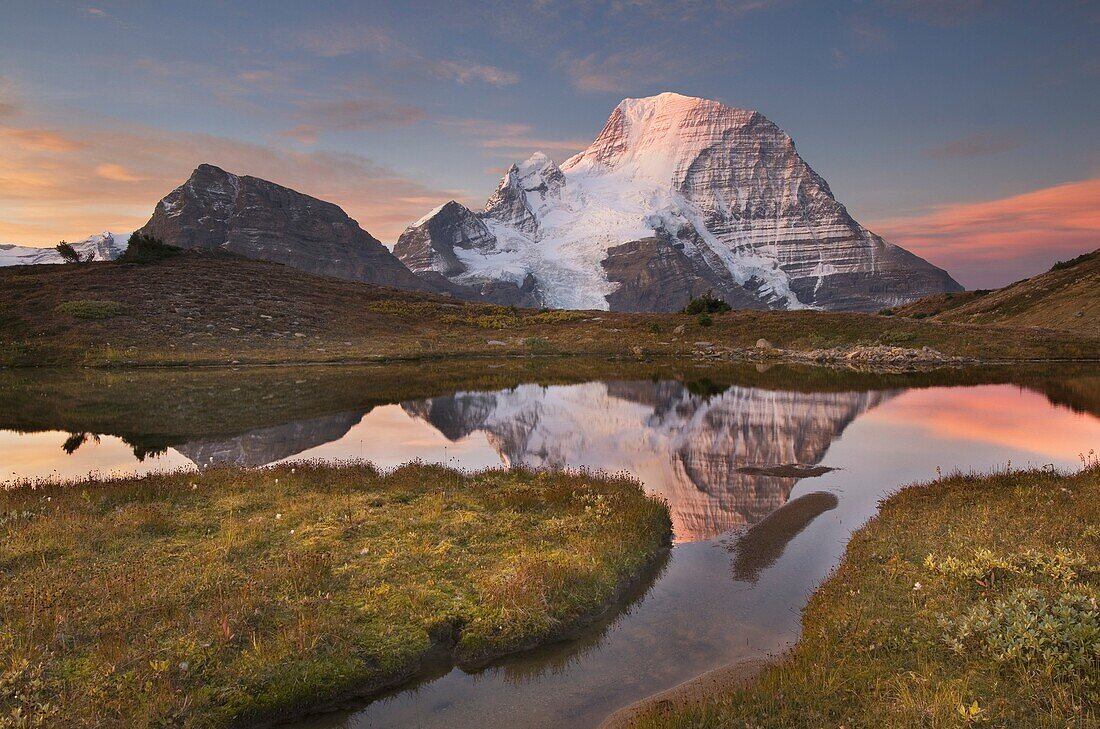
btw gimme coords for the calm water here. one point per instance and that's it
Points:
(750, 548)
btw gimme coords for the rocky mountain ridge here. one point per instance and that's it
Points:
(677, 195)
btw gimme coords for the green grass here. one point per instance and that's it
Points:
(231, 597)
(89, 309)
(971, 601)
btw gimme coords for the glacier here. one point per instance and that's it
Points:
(676, 196)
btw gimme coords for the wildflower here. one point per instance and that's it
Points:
(184, 665)
(278, 516)
(916, 586)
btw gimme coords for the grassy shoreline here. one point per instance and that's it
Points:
(970, 601)
(235, 598)
(202, 309)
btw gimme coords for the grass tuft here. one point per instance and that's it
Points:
(89, 309)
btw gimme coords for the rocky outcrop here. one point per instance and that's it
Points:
(255, 218)
(655, 275)
(684, 446)
(736, 207)
(432, 248)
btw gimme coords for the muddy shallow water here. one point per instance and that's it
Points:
(754, 534)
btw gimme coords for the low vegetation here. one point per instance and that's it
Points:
(208, 308)
(144, 249)
(69, 254)
(708, 303)
(971, 601)
(1066, 297)
(229, 597)
(89, 309)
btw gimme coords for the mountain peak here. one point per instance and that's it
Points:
(659, 137)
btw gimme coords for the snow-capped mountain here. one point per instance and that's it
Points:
(103, 247)
(676, 196)
(685, 447)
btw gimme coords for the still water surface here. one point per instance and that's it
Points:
(749, 548)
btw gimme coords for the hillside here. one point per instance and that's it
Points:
(203, 307)
(1065, 297)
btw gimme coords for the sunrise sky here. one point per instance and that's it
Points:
(967, 131)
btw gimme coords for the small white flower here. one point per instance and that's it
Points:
(278, 516)
(916, 585)
(184, 666)
(291, 531)
(276, 480)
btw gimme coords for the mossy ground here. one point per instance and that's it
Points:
(971, 601)
(201, 308)
(231, 597)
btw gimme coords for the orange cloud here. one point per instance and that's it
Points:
(117, 173)
(998, 241)
(37, 140)
(66, 184)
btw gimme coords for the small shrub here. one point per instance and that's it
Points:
(537, 344)
(1057, 636)
(654, 328)
(886, 312)
(704, 320)
(397, 307)
(706, 304)
(1060, 265)
(555, 316)
(146, 249)
(88, 309)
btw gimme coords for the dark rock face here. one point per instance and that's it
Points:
(656, 275)
(255, 218)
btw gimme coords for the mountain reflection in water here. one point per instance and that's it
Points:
(752, 546)
(684, 447)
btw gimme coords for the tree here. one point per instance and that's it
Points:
(69, 254)
(708, 303)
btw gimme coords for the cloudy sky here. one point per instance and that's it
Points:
(967, 131)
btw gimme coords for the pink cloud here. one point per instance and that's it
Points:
(995, 242)
(464, 72)
(978, 145)
(512, 141)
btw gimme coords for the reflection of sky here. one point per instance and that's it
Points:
(39, 455)
(387, 436)
(1021, 425)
